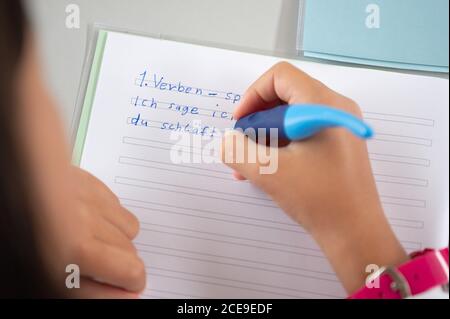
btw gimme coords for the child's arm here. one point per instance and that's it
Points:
(324, 183)
(78, 219)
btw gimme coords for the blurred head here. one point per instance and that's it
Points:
(33, 163)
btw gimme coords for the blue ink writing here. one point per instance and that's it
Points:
(184, 109)
(189, 128)
(138, 121)
(152, 103)
(158, 83)
(222, 115)
(142, 79)
(233, 97)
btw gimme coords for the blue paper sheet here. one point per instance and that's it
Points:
(406, 34)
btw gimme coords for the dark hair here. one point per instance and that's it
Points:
(22, 274)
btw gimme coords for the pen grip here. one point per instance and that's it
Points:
(303, 121)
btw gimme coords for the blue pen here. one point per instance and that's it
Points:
(300, 121)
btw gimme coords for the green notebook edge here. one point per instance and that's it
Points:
(89, 98)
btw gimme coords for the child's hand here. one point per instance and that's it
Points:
(106, 253)
(96, 234)
(78, 220)
(325, 183)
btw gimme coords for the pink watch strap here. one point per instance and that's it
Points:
(426, 269)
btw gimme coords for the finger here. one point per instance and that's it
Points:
(107, 204)
(111, 265)
(112, 211)
(243, 155)
(283, 83)
(94, 290)
(238, 176)
(108, 233)
(122, 218)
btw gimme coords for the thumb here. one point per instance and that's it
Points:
(250, 160)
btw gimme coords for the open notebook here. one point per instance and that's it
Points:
(205, 235)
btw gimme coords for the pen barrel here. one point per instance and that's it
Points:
(264, 122)
(300, 121)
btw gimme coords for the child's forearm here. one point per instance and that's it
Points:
(357, 249)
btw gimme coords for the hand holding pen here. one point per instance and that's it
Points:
(323, 181)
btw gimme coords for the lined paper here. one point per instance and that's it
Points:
(205, 235)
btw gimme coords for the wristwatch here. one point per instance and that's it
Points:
(425, 270)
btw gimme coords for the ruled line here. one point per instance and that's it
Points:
(197, 195)
(228, 258)
(402, 180)
(194, 188)
(382, 157)
(230, 243)
(233, 236)
(381, 178)
(253, 268)
(241, 281)
(298, 231)
(214, 212)
(175, 293)
(142, 141)
(396, 118)
(134, 161)
(401, 201)
(225, 285)
(404, 139)
(225, 172)
(179, 171)
(416, 244)
(117, 181)
(152, 296)
(216, 219)
(388, 200)
(400, 159)
(406, 223)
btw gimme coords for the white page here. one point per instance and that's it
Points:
(204, 234)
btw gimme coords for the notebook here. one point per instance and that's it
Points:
(405, 34)
(204, 234)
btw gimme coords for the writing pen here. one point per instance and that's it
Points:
(300, 121)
